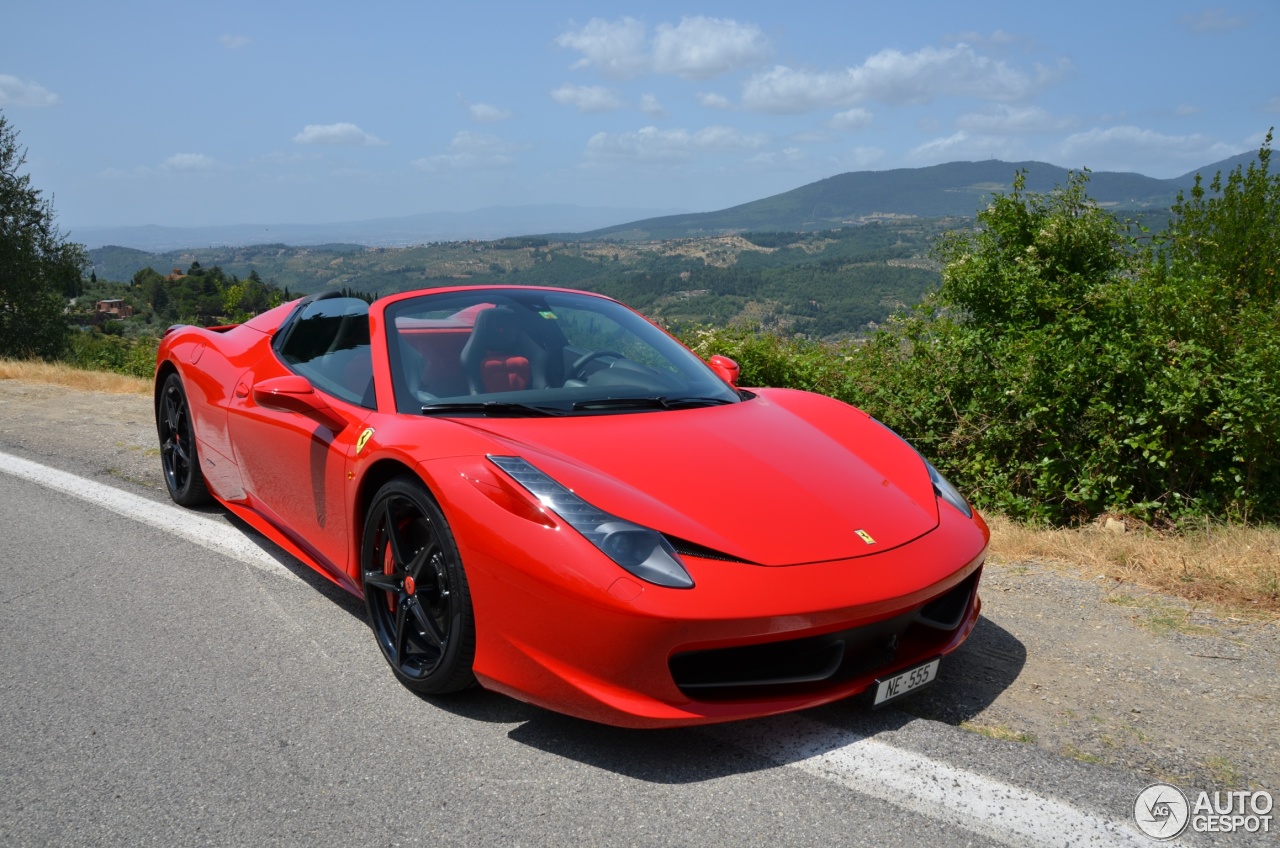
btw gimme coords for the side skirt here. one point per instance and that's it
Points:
(296, 548)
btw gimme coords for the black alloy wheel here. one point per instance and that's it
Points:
(178, 454)
(416, 590)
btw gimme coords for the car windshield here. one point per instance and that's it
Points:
(532, 352)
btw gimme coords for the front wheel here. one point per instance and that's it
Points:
(178, 454)
(416, 590)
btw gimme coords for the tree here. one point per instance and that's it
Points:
(38, 266)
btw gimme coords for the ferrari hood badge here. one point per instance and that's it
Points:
(861, 534)
(363, 440)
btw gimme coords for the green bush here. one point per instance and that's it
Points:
(98, 351)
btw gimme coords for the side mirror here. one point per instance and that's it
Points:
(296, 394)
(726, 369)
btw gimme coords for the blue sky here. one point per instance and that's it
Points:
(189, 114)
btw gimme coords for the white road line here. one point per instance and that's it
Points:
(1006, 813)
(192, 526)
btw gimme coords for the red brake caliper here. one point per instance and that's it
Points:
(389, 567)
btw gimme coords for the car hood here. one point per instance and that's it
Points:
(781, 479)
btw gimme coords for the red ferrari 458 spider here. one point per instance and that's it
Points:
(541, 491)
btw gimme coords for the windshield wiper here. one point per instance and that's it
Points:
(648, 403)
(493, 408)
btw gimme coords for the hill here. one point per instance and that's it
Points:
(828, 283)
(954, 189)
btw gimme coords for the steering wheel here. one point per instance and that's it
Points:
(576, 368)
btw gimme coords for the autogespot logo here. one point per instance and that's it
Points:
(1161, 811)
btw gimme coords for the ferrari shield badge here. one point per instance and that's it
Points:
(363, 440)
(862, 534)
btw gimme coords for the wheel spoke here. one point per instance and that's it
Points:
(181, 451)
(393, 535)
(398, 642)
(171, 413)
(414, 568)
(427, 625)
(378, 580)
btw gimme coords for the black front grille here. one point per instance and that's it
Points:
(945, 612)
(754, 670)
(809, 663)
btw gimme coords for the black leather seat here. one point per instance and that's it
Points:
(502, 354)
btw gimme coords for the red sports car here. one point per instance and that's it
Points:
(540, 491)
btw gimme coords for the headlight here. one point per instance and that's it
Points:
(946, 491)
(639, 550)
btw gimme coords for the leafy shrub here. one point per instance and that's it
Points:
(97, 351)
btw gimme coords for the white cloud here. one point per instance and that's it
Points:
(1213, 20)
(615, 49)
(471, 151)
(587, 98)
(191, 162)
(1129, 148)
(650, 106)
(234, 42)
(1002, 119)
(851, 120)
(700, 47)
(727, 138)
(787, 157)
(696, 48)
(941, 147)
(17, 92)
(654, 145)
(1185, 110)
(646, 144)
(965, 146)
(893, 77)
(711, 100)
(337, 134)
(483, 113)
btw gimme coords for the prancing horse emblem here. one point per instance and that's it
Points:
(363, 440)
(863, 535)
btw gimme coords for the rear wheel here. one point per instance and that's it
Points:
(178, 454)
(416, 590)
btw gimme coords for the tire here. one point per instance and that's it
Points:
(415, 590)
(178, 453)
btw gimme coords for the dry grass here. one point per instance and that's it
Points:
(1230, 566)
(35, 371)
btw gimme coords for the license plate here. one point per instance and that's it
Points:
(906, 681)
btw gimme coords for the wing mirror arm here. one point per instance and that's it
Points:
(726, 369)
(296, 394)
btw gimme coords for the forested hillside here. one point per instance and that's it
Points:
(831, 283)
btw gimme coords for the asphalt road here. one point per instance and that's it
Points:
(159, 691)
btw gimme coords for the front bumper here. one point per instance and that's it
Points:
(560, 626)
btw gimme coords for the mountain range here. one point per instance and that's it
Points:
(954, 189)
